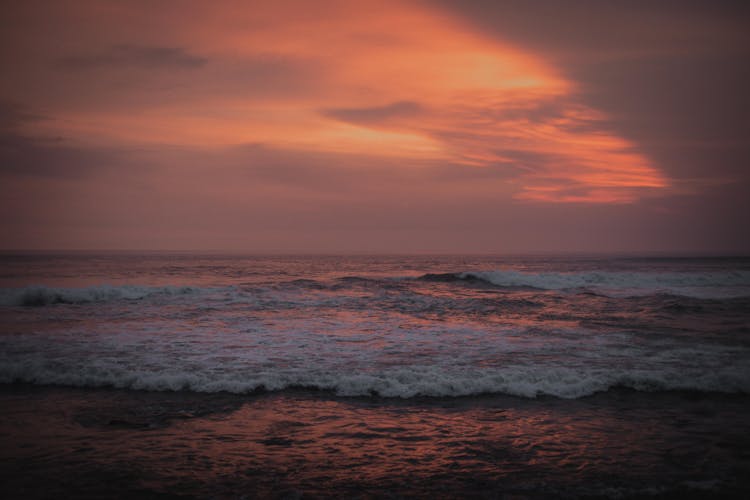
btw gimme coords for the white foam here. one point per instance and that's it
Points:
(264, 361)
(399, 383)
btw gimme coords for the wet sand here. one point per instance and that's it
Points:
(89, 443)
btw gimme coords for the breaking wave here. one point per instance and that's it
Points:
(721, 285)
(43, 296)
(702, 285)
(406, 382)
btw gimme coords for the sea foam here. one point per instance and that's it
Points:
(402, 382)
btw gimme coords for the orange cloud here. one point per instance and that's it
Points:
(384, 78)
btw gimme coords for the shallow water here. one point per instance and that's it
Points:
(623, 443)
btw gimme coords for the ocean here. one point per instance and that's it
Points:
(231, 376)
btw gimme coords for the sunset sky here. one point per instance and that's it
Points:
(375, 126)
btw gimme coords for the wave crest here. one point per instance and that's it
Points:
(527, 382)
(43, 296)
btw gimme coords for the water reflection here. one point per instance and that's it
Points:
(311, 443)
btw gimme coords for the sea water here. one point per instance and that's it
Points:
(553, 340)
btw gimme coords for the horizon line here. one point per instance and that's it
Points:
(339, 253)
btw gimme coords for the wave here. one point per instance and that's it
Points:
(43, 296)
(522, 381)
(702, 285)
(720, 285)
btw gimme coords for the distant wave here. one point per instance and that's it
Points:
(702, 285)
(43, 296)
(407, 382)
(729, 284)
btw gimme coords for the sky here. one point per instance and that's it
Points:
(381, 126)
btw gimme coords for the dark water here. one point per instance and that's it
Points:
(161, 374)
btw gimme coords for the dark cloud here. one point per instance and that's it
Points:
(677, 106)
(135, 56)
(526, 162)
(670, 76)
(13, 115)
(23, 155)
(53, 158)
(621, 28)
(374, 115)
(266, 75)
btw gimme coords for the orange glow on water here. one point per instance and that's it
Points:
(209, 444)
